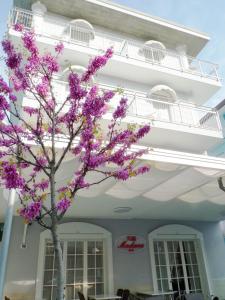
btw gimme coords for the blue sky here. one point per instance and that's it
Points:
(204, 15)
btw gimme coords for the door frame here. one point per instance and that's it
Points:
(177, 232)
(77, 231)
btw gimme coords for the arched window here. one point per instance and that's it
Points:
(154, 51)
(81, 31)
(178, 260)
(87, 259)
(162, 98)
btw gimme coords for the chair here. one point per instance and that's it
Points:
(81, 296)
(119, 293)
(126, 294)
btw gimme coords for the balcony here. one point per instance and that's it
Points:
(140, 58)
(176, 124)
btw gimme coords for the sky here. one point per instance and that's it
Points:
(204, 15)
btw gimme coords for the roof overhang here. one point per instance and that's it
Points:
(123, 19)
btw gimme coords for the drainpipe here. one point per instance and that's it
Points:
(6, 240)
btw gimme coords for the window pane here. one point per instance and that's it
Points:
(99, 261)
(99, 275)
(79, 276)
(187, 258)
(193, 258)
(69, 292)
(189, 270)
(99, 247)
(159, 285)
(176, 246)
(192, 246)
(195, 270)
(160, 247)
(79, 261)
(47, 292)
(48, 277)
(49, 250)
(170, 246)
(91, 247)
(180, 272)
(173, 272)
(91, 261)
(70, 262)
(158, 272)
(178, 259)
(70, 277)
(91, 275)
(191, 283)
(99, 289)
(171, 259)
(163, 272)
(156, 259)
(49, 262)
(186, 246)
(162, 259)
(91, 289)
(197, 283)
(165, 285)
(79, 247)
(71, 247)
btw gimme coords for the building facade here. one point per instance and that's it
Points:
(156, 233)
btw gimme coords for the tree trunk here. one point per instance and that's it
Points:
(59, 261)
(56, 241)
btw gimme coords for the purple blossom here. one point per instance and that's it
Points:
(11, 176)
(123, 174)
(97, 63)
(59, 48)
(43, 185)
(51, 63)
(30, 110)
(31, 211)
(29, 42)
(63, 205)
(76, 91)
(143, 131)
(4, 105)
(7, 47)
(121, 109)
(18, 27)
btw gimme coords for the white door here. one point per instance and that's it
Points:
(84, 268)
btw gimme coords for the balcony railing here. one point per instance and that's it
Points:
(155, 110)
(126, 48)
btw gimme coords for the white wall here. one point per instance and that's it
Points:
(131, 271)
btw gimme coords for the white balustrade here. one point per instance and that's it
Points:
(127, 48)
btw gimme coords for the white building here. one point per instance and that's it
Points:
(174, 211)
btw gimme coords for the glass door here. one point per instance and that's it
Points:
(84, 269)
(177, 268)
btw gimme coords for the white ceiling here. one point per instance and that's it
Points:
(168, 191)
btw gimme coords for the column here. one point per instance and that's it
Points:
(39, 11)
(6, 240)
(182, 52)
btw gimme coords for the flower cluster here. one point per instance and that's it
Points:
(97, 63)
(63, 205)
(31, 211)
(11, 176)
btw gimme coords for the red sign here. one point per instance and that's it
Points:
(131, 243)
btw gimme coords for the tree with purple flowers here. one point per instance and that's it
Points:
(29, 135)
